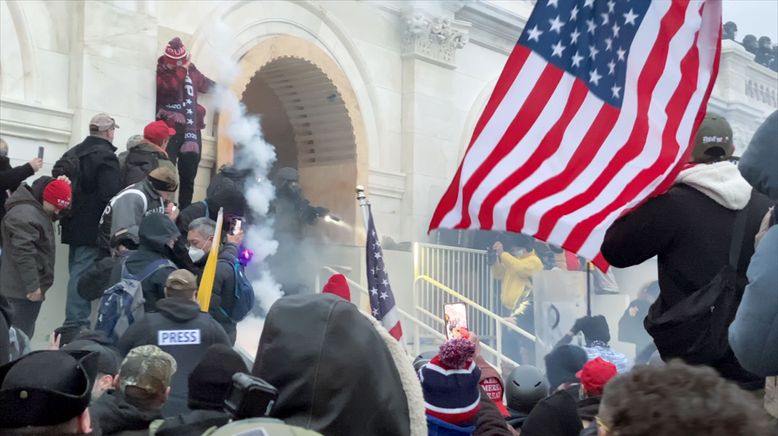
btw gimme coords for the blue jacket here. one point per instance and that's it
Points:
(438, 427)
(754, 333)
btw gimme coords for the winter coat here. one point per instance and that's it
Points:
(189, 333)
(337, 370)
(631, 327)
(753, 334)
(98, 182)
(438, 427)
(28, 243)
(489, 421)
(516, 276)
(140, 160)
(170, 90)
(193, 423)
(157, 230)
(688, 228)
(10, 179)
(127, 209)
(114, 416)
(555, 415)
(223, 294)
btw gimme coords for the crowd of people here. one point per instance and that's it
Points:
(137, 355)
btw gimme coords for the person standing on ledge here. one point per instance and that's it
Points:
(178, 84)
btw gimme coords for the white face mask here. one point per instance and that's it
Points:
(196, 254)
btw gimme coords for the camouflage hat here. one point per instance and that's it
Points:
(261, 427)
(713, 141)
(181, 280)
(134, 140)
(102, 122)
(147, 367)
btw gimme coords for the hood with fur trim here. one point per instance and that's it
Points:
(336, 370)
(720, 181)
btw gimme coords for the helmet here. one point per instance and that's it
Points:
(714, 140)
(525, 387)
(287, 174)
(422, 359)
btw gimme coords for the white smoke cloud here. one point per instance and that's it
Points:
(251, 152)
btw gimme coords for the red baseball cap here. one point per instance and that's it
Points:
(158, 131)
(595, 374)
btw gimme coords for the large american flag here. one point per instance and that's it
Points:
(382, 301)
(593, 113)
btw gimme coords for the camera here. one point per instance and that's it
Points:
(249, 397)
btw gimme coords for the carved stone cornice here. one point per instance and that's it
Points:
(433, 39)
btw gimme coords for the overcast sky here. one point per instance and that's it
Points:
(758, 17)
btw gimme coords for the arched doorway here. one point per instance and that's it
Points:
(310, 114)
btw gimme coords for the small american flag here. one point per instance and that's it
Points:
(382, 301)
(593, 113)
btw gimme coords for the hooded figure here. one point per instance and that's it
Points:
(561, 365)
(690, 229)
(156, 233)
(553, 416)
(337, 371)
(754, 333)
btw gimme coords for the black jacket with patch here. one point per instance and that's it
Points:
(179, 328)
(114, 416)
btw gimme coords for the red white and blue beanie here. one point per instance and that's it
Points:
(450, 383)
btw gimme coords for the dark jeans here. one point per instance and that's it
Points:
(187, 164)
(25, 313)
(77, 310)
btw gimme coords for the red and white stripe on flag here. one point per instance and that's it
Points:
(556, 157)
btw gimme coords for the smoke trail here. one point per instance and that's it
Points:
(251, 153)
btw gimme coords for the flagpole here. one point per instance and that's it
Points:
(363, 203)
(588, 288)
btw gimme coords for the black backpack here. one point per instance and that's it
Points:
(69, 165)
(696, 329)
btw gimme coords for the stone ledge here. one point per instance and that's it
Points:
(39, 123)
(386, 184)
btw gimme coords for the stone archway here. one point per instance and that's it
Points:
(316, 123)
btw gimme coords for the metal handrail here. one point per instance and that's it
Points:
(406, 315)
(475, 306)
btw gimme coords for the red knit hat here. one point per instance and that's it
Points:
(58, 194)
(595, 374)
(337, 285)
(157, 132)
(175, 49)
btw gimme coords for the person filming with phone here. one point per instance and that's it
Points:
(199, 242)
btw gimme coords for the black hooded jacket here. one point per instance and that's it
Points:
(187, 335)
(113, 415)
(98, 183)
(332, 369)
(155, 231)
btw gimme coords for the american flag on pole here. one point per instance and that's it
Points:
(382, 301)
(594, 112)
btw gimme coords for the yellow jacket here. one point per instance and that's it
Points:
(516, 276)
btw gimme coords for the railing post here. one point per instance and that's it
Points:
(498, 345)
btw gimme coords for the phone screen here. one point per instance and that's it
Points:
(455, 316)
(40, 152)
(236, 226)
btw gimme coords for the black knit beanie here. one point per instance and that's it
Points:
(212, 377)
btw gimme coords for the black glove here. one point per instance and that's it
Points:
(580, 324)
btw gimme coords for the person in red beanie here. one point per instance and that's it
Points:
(594, 375)
(145, 153)
(178, 84)
(337, 285)
(27, 270)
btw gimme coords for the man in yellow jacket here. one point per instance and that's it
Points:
(515, 269)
